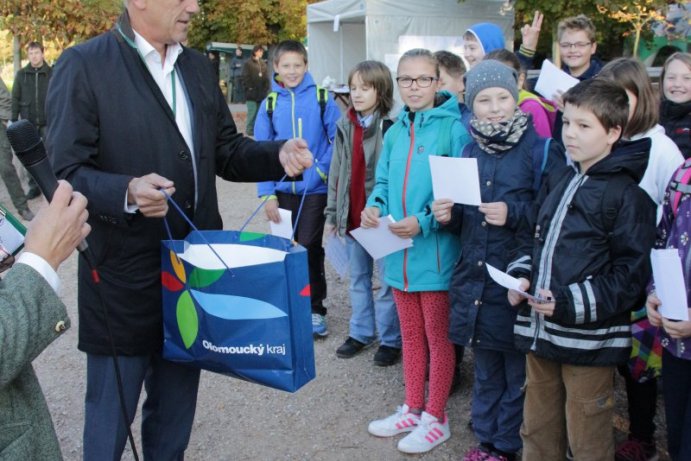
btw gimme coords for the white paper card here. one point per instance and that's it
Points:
(380, 241)
(336, 253)
(669, 283)
(285, 227)
(457, 179)
(511, 283)
(552, 79)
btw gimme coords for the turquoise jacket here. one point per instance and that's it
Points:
(404, 188)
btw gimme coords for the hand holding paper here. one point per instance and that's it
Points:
(457, 179)
(380, 241)
(284, 227)
(512, 283)
(669, 284)
(552, 80)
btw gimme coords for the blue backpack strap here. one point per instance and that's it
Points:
(540, 156)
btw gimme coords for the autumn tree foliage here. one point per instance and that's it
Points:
(249, 21)
(62, 22)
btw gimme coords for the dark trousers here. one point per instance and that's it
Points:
(676, 375)
(642, 403)
(167, 413)
(9, 174)
(309, 234)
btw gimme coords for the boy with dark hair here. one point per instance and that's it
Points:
(451, 74)
(592, 239)
(298, 108)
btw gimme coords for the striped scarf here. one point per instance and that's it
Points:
(495, 138)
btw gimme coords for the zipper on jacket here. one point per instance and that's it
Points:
(403, 197)
(292, 120)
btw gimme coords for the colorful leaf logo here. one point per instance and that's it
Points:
(178, 267)
(231, 307)
(188, 322)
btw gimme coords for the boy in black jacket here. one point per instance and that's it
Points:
(589, 266)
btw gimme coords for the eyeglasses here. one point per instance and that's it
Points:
(422, 82)
(576, 45)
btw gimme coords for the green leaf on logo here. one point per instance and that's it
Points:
(188, 322)
(247, 236)
(200, 278)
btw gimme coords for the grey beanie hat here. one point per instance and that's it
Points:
(489, 74)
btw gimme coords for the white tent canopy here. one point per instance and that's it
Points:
(341, 33)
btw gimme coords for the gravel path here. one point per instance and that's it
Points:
(325, 420)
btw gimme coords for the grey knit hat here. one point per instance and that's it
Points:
(489, 74)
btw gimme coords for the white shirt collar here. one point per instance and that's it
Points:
(151, 54)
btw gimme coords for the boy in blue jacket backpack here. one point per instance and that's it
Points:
(297, 108)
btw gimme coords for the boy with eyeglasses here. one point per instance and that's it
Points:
(577, 46)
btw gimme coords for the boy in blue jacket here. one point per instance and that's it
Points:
(296, 109)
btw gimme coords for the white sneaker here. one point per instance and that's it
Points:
(401, 421)
(429, 433)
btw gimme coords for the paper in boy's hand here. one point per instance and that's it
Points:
(552, 80)
(512, 283)
(669, 283)
(380, 241)
(457, 179)
(337, 254)
(285, 227)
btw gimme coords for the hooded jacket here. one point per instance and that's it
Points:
(676, 119)
(297, 114)
(489, 35)
(29, 92)
(404, 188)
(596, 275)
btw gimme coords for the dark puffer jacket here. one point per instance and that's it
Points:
(676, 118)
(596, 266)
(480, 313)
(29, 94)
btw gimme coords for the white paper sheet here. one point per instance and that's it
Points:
(553, 79)
(511, 283)
(336, 253)
(285, 227)
(455, 178)
(669, 283)
(380, 241)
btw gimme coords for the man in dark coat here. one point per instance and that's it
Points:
(133, 113)
(256, 81)
(29, 96)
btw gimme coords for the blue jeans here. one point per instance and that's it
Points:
(676, 374)
(371, 314)
(497, 407)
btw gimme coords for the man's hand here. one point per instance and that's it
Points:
(406, 228)
(495, 213)
(515, 298)
(370, 217)
(531, 32)
(271, 210)
(57, 229)
(295, 157)
(147, 193)
(442, 210)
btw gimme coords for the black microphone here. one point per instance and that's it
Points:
(28, 146)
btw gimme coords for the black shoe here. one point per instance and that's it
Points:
(386, 356)
(350, 348)
(33, 193)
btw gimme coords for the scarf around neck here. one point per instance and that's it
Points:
(495, 138)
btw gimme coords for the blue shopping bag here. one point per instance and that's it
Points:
(238, 303)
